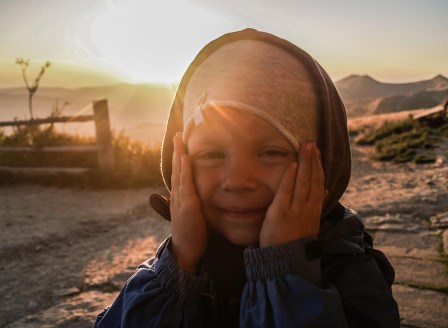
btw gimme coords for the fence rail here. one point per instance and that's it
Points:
(38, 171)
(103, 146)
(52, 149)
(50, 120)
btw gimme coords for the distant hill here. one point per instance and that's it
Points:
(364, 95)
(359, 87)
(141, 110)
(132, 106)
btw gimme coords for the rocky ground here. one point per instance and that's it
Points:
(65, 253)
(405, 208)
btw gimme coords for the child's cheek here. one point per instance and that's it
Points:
(196, 177)
(277, 176)
(201, 181)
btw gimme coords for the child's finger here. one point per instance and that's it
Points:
(303, 179)
(321, 168)
(176, 167)
(316, 194)
(285, 191)
(186, 186)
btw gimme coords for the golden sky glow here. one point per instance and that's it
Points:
(108, 41)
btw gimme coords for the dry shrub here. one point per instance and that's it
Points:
(136, 164)
(403, 141)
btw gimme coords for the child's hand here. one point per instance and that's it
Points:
(297, 206)
(188, 228)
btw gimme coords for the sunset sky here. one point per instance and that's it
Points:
(94, 42)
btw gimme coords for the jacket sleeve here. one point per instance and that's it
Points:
(159, 294)
(284, 289)
(349, 285)
(364, 289)
(362, 275)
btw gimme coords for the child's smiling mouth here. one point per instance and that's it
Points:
(241, 213)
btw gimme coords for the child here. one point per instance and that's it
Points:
(256, 157)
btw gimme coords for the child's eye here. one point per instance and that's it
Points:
(210, 155)
(208, 158)
(275, 153)
(275, 156)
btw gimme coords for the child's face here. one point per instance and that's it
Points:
(238, 161)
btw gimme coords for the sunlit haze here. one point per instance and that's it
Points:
(110, 41)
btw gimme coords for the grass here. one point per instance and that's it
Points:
(404, 141)
(136, 164)
(426, 287)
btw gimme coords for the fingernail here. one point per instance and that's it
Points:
(310, 146)
(293, 168)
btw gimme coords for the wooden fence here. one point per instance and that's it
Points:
(103, 146)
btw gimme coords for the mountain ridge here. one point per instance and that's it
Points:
(363, 95)
(141, 109)
(361, 87)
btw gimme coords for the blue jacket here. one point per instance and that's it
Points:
(336, 280)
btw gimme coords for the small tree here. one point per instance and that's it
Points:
(31, 88)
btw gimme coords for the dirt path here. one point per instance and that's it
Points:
(65, 253)
(61, 242)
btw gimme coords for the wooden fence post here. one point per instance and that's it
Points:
(106, 156)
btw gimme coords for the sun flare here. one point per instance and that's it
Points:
(126, 32)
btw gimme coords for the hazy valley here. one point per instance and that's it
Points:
(141, 109)
(138, 109)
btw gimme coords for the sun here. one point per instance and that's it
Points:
(136, 40)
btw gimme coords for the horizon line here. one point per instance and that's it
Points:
(175, 83)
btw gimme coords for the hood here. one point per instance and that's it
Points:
(332, 136)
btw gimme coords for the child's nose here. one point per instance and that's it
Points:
(240, 175)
